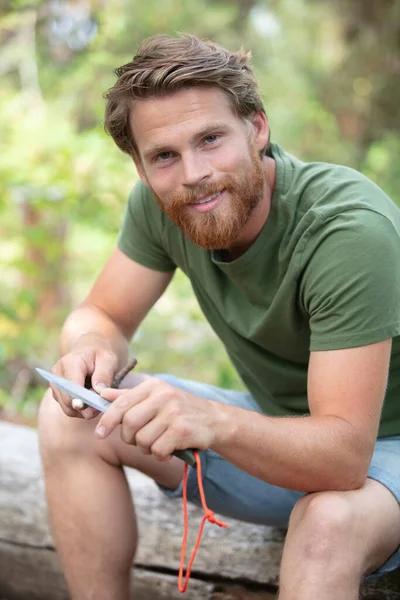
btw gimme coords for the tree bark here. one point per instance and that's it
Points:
(239, 562)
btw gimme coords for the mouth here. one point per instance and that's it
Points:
(208, 202)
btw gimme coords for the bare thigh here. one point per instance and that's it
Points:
(63, 436)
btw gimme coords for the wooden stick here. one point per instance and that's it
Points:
(130, 365)
(118, 377)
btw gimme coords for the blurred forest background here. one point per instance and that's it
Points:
(330, 77)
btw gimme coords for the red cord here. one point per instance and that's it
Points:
(208, 516)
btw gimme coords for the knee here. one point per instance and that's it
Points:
(62, 436)
(323, 522)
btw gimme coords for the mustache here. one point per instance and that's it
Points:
(202, 191)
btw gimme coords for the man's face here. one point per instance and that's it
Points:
(201, 162)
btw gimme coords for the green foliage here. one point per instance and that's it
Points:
(330, 90)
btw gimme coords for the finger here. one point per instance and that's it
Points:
(139, 417)
(147, 435)
(57, 394)
(87, 412)
(58, 398)
(90, 413)
(125, 402)
(163, 447)
(111, 394)
(146, 386)
(137, 379)
(106, 364)
(77, 371)
(74, 368)
(80, 406)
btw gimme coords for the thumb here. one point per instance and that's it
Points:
(111, 394)
(100, 383)
(103, 373)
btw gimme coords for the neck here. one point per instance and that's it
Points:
(254, 225)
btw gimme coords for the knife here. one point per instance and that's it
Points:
(96, 401)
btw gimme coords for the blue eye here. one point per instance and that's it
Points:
(163, 156)
(210, 139)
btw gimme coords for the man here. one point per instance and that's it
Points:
(296, 266)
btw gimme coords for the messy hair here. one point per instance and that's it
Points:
(164, 65)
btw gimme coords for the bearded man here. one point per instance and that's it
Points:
(296, 267)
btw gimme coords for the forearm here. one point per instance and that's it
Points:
(89, 321)
(306, 453)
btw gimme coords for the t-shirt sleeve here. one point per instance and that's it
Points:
(350, 285)
(141, 233)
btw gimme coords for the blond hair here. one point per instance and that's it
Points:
(163, 65)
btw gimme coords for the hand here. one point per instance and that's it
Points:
(159, 418)
(93, 356)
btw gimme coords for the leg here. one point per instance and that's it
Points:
(335, 538)
(90, 506)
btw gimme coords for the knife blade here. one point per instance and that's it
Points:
(96, 401)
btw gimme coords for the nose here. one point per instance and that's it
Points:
(196, 169)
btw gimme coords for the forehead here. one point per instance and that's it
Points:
(175, 116)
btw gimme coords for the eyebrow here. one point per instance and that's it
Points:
(207, 130)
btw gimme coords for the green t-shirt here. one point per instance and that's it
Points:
(323, 274)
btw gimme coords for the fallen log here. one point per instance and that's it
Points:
(239, 562)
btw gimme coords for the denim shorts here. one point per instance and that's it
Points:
(234, 493)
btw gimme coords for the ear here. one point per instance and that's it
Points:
(260, 130)
(140, 170)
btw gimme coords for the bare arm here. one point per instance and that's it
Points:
(331, 448)
(94, 340)
(121, 297)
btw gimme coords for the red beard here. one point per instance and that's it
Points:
(219, 228)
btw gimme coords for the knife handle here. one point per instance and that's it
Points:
(187, 456)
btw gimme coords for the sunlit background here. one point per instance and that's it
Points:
(330, 78)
